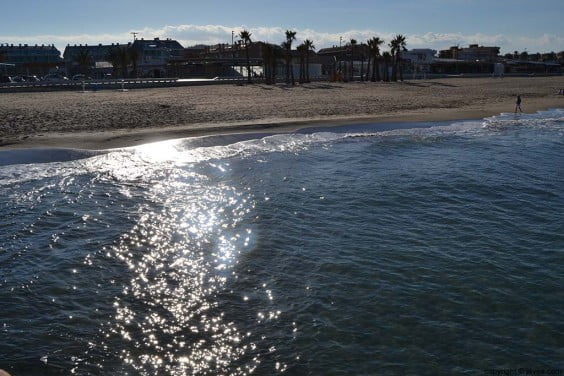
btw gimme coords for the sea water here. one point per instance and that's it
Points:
(424, 249)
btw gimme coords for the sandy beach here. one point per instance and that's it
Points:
(110, 119)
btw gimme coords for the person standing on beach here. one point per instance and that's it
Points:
(518, 104)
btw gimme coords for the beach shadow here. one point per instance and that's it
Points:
(441, 84)
(427, 84)
(321, 86)
(310, 86)
(265, 87)
(415, 84)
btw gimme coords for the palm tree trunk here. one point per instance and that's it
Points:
(362, 68)
(300, 80)
(273, 70)
(368, 68)
(304, 69)
(287, 68)
(377, 66)
(292, 71)
(265, 70)
(400, 67)
(307, 67)
(394, 68)
(248, 64)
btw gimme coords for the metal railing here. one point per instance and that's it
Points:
(128, 83)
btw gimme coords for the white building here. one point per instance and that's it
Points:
(419, 55)
(418, 61)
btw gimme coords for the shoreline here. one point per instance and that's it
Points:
(107, 138)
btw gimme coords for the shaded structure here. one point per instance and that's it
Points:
(26, 59)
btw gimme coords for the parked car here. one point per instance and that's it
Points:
(5, 79)
(53, 77)
(31, 78)
(81, 77)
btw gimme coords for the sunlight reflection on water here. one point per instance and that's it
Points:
(180, 254)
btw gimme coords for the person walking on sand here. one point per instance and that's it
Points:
(518, 104)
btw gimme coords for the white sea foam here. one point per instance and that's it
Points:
(128, 163)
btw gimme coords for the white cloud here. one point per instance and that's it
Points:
(189, 35)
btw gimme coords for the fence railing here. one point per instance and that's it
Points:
(139, 83)
(129, 83)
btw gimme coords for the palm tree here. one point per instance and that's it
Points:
(290, 37)
(133, 58)
(362, 56)
(302, 51)
(369, 52)
(353, 43)
(84, 60)
(287, 57)
(270, 55)
(266, 51)
(309, 47)
(374, 51)
(113, 58)
(123, 57)
(387, 60)
(397, 45)
(277, 55)
(393, 47)
(246, 38)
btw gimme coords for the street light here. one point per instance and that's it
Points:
(232, 49)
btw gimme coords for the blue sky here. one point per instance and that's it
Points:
(512, 25)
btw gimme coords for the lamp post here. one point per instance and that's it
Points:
(232, 47)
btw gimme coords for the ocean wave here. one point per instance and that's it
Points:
(30, 156)
(200, 149)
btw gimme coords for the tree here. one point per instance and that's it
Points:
(374, 51)
(113, 58)
(302, 51)
(352, 44)
(387, 60)
(123, 58)
(120, 58)
(246, 38)
(270, 54)
(84, 60)
(134, 59)
(362, 56)
(309, 47)
(397, 45)
(551, 56)
(266, 51)
(277, 56)
(369, 55)
(290, 37)
(286, 46)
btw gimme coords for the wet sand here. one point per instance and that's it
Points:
(110, 119)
